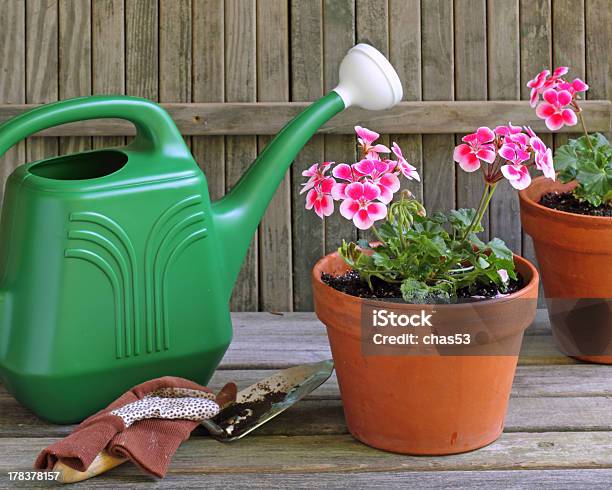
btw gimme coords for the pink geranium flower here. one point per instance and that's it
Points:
(344, 172)
(544, 163)
(316, 174)
(320, 198)
(559, 72)
(360, 206)
(544, 81)
(365, 138)
(508, 130)
(478, 146)
(379, 173)
(405, 168)
(514, 153)
(536, 85)
(554, 109)
(517, 175)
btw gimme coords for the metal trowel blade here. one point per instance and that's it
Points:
(296, 382)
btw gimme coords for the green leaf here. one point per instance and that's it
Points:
(565, 157)
(483, 263)
(418, 292)
(599, 141)
(499, 249)
(592, 178)
(462, 217)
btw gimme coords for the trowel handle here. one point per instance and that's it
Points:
(156, 132)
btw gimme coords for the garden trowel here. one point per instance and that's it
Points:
(241, 413)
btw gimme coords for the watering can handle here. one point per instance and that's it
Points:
(155, 130)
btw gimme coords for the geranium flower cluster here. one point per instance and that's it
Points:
(559, 106)
(507, 151)
(364, 187)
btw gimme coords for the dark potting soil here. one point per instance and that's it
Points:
(568, 203)
(351, 283)
(236, 418)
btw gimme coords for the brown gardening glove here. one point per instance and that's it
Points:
(145, 425)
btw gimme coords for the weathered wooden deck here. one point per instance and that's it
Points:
(558, 431)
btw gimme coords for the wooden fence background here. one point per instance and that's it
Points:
(199, 55)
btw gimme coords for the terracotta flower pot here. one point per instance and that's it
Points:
(574, 255)
(416, 404)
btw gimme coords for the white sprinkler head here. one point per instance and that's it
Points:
(368, 80)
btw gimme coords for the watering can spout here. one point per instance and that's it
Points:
(367, 80)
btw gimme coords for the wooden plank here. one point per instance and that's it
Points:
(268, 341)
(438, 84)
(174, 51)
(74, 60)
(598, 17)
(283, 353)
(427, 117)
(426, 480)
(568, 46)
(578, 380)
(470, 84)
(405, 56)
(12, 68)
(41, 67)
(504, 84)
(325, 416)
(327, 454)
(339, 37)
(142, 48)
(306, 85)
(108, 56)
(536, 41)
(209, 86)
(241, 86)
(584, 389)
(275, 284)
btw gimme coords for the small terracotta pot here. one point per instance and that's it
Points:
(574, 255)
(423, 405)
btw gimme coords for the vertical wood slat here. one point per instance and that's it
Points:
(568, 45)
(598, 18)
(535, 41)
(339, 36)
(504, 81)
(41, 67)
(108, 56)
(240, 86)
(306, 84)
(208, 86)
(470, 84)
(142, 48)
(74, 60)
(174, 51)
(438, 84)
(405, 56)
(12, 69)
(275, 287)
(372, 20)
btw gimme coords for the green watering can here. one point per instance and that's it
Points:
(115, 267)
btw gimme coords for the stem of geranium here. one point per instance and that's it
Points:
(584, 128)
(586, 133)
(375, 231)
(473, 222)
(486, 204)
(482, 207)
